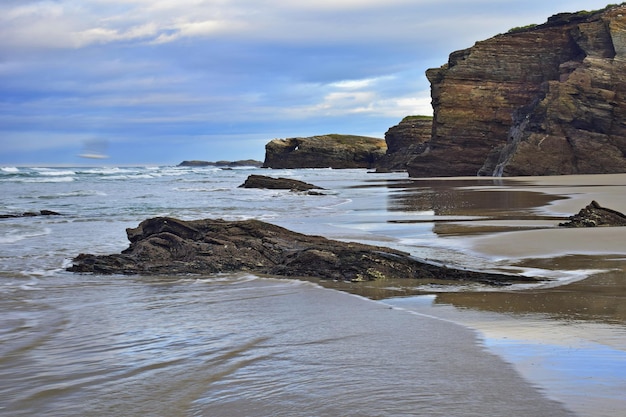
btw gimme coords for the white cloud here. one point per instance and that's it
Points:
(136, 68)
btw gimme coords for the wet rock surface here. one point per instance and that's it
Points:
(262, 181)
(30, 214)
(166, 245)
(594, 215)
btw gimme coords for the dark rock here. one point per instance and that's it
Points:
(30, 214)
(328, 151)
(595, 215)
(221, 164)
(542, 100)
(405, 141)
(165, 245)
(261, 181)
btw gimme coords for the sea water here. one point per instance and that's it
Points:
(227, 344)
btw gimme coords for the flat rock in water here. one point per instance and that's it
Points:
(164, 245)
(30, 214)
(595, 215)
(262, 181)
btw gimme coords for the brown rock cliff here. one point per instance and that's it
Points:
(405, 141)
(327, 151)
(542, 100)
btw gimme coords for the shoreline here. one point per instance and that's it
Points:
(566, 335)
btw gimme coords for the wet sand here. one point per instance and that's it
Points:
(568, 335)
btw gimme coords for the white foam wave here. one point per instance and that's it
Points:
(49, 172)
(16, 235)
(10, 170)
(48, 179)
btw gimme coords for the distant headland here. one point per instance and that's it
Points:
(222, 164)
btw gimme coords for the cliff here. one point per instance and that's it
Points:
(405, 141)
(541, 100)
(327, 151)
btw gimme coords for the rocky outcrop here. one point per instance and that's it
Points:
(541, 100)
(262, 181)
(166, 245)
(405, 141)
(30, 214)
(595, 215)
(327, 151)
(222, 164)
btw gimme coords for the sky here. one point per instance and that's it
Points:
(162, 81)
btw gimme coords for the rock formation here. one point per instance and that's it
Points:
(222, 164)
(541, 100)
(328, 151)
(165, 245)
(595, 215)
(405, 141)
(261, 181)
(30, 214)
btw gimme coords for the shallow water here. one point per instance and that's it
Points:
(245, 345)
(239, 345)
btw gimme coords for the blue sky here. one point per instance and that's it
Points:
(160, 81)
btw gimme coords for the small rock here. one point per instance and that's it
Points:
(261, 181)
(595, 215)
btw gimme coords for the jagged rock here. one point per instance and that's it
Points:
(595, 215)
(30, 214)
(327, 151)
(405, 141)
(261, 181)
(543, 100)
(166, 245)
(228, 164)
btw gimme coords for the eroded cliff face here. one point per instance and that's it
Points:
(545, 100)
(405, 141)
(326, 151)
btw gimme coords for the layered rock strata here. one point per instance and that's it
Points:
(166, 245)
(542, 100)
(327, 151)
(404, 142)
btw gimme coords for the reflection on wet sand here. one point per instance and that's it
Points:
(514, 222)
(568, 336)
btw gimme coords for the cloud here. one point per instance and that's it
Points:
(194, 71)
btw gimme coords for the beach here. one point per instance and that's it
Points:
(568, 335)
(238, 344)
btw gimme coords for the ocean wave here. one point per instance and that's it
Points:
(49, 179)
(10, 170)
(78, 193)
(16, 234)
(54, 172)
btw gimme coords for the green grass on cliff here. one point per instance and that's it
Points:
(355, 140)
(563, 18)
(408, 118)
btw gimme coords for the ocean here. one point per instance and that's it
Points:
(246, 345)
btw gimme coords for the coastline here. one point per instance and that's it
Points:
(566, 335)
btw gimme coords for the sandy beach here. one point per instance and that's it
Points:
(568, 335)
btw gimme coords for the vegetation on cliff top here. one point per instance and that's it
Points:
(354, 140)
(563, 18)
(418, 117)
